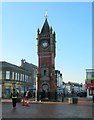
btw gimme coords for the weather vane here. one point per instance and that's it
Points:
(46, 14)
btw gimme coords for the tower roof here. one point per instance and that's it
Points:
(45, 29)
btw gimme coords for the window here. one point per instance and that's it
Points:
(30, 78)
(18, 76)
(44, 72)
(0, 74)
(92, 81)
(91, 91)
(15, 76)
(7, 74)
(12, 75)
(21, 77)
(90, 75)
(35, 73)
(25, 78)
(93, 74)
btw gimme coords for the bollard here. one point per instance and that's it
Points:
(73, 100)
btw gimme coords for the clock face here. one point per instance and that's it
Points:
(44, 44)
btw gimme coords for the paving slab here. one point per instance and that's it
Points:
(48, 110)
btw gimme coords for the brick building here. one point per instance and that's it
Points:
(46, 61)
(20, 77)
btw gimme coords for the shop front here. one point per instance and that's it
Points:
(6, 88)
(90, 90)
(90, 82)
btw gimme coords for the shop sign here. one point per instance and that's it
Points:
(91, 78)
(7, 84)
(90, 85)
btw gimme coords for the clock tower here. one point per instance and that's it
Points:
(46, 62)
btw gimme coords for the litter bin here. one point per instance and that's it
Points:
(75, 100)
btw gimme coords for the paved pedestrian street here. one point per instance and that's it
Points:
(48, 110)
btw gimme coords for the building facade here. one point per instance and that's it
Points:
(90, 82)
(74, 88)
(59, 81)
(46, 61)
(19, 77)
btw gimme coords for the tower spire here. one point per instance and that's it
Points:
(45, 29)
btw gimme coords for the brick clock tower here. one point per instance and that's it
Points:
(46, 44)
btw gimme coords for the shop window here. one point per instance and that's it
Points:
(0, 74)
(91, 91)
(7, 74)
(92, 81)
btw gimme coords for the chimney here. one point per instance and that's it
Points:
(22, 62)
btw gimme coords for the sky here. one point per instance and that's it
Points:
(72, 22)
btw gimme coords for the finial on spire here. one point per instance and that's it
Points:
(46, 14)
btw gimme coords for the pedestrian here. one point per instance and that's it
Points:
(62, 98)
(25, 99)
(24, 94)
(14, 96)
(27, 94)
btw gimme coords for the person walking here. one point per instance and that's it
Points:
(62, 98)
(24, 94)
(14, 96)
(27, 95)
(25, 99)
